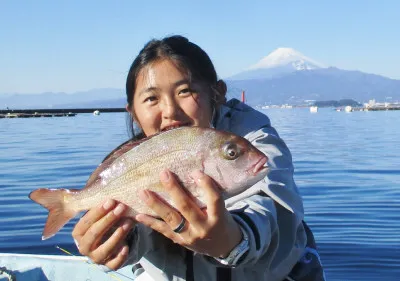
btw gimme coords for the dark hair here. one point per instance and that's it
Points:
(187, 55)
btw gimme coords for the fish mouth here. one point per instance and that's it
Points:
(175, 125)
(260, 166)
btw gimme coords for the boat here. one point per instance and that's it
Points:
(348, 108)
(313, 109)
(29, 267)
(96, 112)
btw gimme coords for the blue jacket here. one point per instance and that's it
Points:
(271, 213)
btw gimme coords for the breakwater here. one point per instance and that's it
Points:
(375, 108)
(380, 108)
(36, 115)
(61, 110)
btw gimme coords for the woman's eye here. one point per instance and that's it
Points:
(185, 91)
(150, 99)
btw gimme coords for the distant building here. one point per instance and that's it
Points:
(371, 103)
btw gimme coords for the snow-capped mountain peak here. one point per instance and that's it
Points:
(280, 62)
(286, 57)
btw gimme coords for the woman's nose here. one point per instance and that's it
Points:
(170, 109)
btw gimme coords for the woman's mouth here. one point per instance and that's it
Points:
(174, 126)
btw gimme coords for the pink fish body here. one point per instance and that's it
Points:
(232, 161)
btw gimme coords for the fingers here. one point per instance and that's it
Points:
(95, 233)
(111, 253)
(120, 258)
(92, 216)
(159, 226)
(214, 201)
(90, 230)
(167, 213)
(182, 201)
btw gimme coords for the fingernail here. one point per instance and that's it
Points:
(119, 210)
(139, 217)
(144, 195)
(197, 175)
(76, 243)
(127, 225)
(164, 176)
(125, 250)
(108, 204)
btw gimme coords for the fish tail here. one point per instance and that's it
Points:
(59, 213)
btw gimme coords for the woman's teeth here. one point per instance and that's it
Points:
(173, 127)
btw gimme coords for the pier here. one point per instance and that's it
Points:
(36, 115)
(68, 112)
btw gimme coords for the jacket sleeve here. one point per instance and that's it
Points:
(271, 211)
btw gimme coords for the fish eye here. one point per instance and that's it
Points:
(231, 151)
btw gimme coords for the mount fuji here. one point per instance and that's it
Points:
(288, 76)
(280, 61)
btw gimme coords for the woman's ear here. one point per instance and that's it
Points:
(221, 93)
(131, 113)
(136, 128)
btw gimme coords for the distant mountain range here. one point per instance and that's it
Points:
(101, 98)
(285, 76)
(322, 84)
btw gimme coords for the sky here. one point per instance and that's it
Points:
(69, 46)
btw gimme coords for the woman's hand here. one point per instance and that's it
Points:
(211, 231)
(100, 234)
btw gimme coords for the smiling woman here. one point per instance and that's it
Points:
(169, 75)
(256, 235)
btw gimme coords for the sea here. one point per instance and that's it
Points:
(347, 167)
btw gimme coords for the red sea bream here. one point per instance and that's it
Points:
(232, 161)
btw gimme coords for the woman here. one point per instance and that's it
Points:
(259, 236)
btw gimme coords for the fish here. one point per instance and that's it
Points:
(230, 160)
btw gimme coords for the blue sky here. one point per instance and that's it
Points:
(68, 46)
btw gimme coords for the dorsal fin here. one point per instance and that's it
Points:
(129, 145)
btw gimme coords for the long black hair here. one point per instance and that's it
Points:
(188, 56)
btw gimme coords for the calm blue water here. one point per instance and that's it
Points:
(347, 168)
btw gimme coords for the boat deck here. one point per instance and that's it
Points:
(26, 267)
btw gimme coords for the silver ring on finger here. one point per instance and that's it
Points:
(181, 226)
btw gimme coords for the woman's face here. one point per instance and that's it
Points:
(164, 99)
